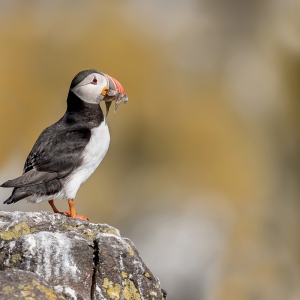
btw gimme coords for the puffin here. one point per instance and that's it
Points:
(69, 151)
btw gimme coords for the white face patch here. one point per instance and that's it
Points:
(90, 88)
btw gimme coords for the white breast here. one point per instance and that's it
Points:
(92, 155)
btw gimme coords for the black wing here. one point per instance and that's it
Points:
(56, 153)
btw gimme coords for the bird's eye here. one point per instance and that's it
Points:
(94, 81)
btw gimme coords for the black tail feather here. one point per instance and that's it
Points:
(43, 189)
(8, 201)
(16, 196)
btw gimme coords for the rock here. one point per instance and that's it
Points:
(17, 284)
(67, 258)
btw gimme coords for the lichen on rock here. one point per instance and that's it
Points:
(18, 284)
(16, 231)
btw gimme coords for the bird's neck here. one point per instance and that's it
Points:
(82, 113)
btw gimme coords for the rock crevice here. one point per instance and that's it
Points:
(95, 265)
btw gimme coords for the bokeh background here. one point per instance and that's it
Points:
(203, 167)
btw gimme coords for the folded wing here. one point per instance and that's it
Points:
(56, 153)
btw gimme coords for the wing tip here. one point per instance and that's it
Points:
(6, 184)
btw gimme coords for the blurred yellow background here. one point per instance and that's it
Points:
(203, 167)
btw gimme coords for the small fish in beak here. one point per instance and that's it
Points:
(115, 92)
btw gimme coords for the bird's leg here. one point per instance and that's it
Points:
(51, 202)
(72, 212)
(72, 208)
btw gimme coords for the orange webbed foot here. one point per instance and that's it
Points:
(68, 214)
(71, 214)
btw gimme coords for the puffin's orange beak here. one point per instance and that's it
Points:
(115, 91)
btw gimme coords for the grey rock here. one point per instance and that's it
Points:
(72, 258)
